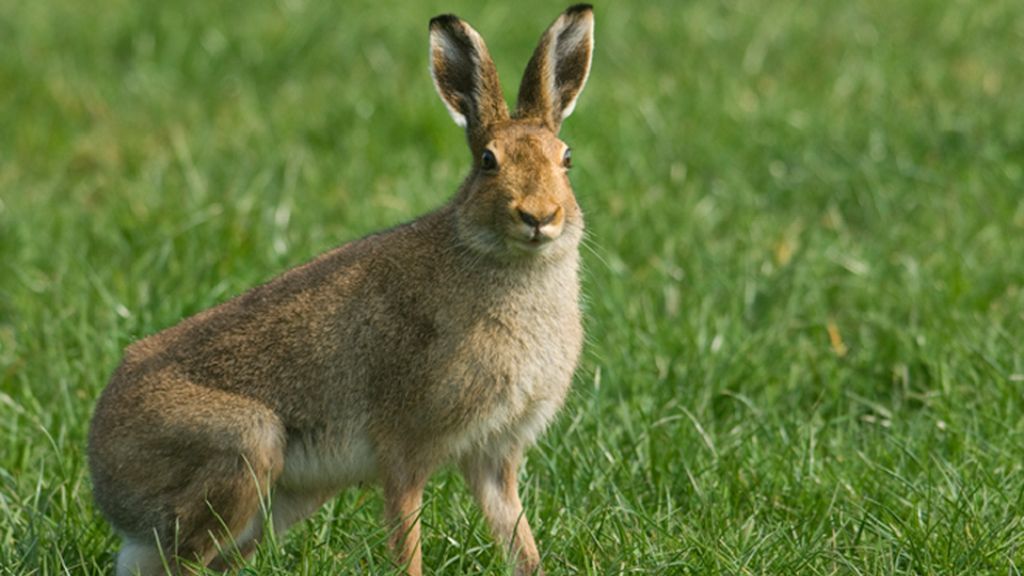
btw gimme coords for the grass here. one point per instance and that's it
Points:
(804, 271)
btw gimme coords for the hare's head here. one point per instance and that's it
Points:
(517, 201)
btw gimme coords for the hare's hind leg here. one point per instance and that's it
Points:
(184, 467)
(221, 520)
(286, 508)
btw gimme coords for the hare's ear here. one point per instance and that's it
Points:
(465, 76)
(558, 70)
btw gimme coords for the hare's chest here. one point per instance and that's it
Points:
(508, 377)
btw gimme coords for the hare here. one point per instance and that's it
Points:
(452, 338)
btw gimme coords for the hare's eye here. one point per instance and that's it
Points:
(567, 158)
(488, 161)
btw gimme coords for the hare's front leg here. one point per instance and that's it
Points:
(403, 500)
(492, 478)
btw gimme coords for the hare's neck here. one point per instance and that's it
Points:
(549, 281)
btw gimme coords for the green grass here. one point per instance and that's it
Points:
(756, 177)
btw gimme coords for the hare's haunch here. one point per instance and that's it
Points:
(452, 338)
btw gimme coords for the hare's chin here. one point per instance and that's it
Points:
(533, 245)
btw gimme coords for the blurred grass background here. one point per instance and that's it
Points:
(803, 271)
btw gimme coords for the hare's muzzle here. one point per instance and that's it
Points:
(538, 226)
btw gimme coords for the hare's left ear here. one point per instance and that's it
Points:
(465, 76)
(559, 68)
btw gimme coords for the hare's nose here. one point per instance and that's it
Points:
(537, 221)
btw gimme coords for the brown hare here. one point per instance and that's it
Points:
(452, 338)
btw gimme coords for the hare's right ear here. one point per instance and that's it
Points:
(465, 76)
(559, 68)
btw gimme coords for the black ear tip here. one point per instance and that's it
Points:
(578, 9)
(443, 21)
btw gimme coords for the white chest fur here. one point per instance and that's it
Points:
(510, 369)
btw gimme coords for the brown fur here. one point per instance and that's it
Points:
(451, 338)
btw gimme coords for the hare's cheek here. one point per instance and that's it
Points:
(481, 214)
(510, 210)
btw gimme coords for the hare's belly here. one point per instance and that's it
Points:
(328, 461)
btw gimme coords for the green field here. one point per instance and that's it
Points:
(804, 268)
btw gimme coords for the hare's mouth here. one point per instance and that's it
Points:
(532, 243)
